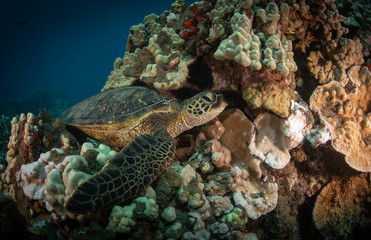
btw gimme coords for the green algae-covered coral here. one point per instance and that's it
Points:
(237, 217)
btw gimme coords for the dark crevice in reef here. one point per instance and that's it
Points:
(307, 229)
(234, 99)
(200, 74)
(309, 82)
(184, 93)
(199, 79)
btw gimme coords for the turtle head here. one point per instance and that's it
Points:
(202, 108)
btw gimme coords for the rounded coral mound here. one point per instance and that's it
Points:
(342, 207)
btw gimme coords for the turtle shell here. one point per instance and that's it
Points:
(108, 115)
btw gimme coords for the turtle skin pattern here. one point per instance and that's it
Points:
(127, 173)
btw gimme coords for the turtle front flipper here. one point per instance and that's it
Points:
(125, 175)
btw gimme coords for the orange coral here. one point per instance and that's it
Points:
(194, 10)
(39, 206)
(189, 29)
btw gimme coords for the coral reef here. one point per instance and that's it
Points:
(30, 136)
(4, 137)
(274, 137)
(159, 53)
(346, 111)
(340, 62)
(339, 209)
(155, 55)
(242, 45)
(123, 219)
(232, 132)
(288, 159)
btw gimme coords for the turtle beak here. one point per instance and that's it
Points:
(220, 102)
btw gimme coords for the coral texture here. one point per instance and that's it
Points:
(274, 137)
(339, 209)
(4, 137)
(242, 46)
(340, 62)
(346, 111)
(30, 136)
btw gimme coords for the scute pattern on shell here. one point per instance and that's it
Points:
(127, 174)
(116, 106)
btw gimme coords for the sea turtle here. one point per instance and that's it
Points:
(144, 123)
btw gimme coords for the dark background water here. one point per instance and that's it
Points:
(57, 53)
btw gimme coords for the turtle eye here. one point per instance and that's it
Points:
(208, 98)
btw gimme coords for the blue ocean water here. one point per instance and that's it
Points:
(63, 48)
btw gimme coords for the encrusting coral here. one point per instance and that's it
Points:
(341, 62)
(339, 209)
(274, 137)
(234, 131)
(346, 111)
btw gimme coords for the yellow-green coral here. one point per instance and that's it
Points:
(274, 96)
(237, 217)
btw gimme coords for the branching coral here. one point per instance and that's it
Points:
(24, 142)
(62, 180)
(32, 176)
(160, 64)
(267, 19)
(279, 56)
(223, 8)
(242, 46)
(29, 137)
(155, 52)
(65, 176)
(319, 20)
(217, 30)
(169, 70)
